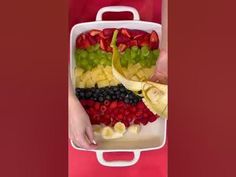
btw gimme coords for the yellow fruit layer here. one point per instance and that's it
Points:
(102, 75)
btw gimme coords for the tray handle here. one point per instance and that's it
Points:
(117, 9)
(120, 163)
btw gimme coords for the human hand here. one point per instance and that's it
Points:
(161, 72)
(80, 129)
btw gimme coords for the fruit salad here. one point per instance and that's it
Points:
(106, 100)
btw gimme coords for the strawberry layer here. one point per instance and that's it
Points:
(126, 38)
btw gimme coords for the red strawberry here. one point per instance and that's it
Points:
(79, 41)
(108, 43)
(154, 40)
(125, 32)
(113, 105)
(94, 32)
(122, 47)
(82, 42)
(91, 39)
(102, 44)
(137, 33)
(122, 39)
(133, 43)
(108, 32)
(144, 41)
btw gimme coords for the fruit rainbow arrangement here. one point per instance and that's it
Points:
(112, 108)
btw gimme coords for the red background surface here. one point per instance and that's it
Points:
(33, 89)
(78, 160)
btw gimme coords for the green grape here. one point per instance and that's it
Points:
(84, 63)
(153, 59)
(92, 56)
(96, 61)
(156, 53)
(145, 51)
(133, 54)
(143, 62)
(148, 62)
(96, 47)
(83, 53)
(78, 51)
(134, 48)
(109, 55)
(124, 61)
(103, 61)
(90, 49)
(108, 62)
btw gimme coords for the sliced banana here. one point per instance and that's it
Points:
(119, 127)
(97, 129)
(134, 129)
(107, 132)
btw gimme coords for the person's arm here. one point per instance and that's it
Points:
(80, 129)
(161, 71)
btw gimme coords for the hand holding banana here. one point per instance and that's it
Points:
(154, 94)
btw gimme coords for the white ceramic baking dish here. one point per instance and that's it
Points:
(153, 135)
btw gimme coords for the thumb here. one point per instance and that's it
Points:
(89, 133)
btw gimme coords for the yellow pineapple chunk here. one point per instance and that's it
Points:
(135, 78)
(96, 71)
(148, 71)
(86, 76)
(103, 83)
(80, 84)
(78, 72)
(100, 77)
(141, 74)
(133, 69)
(90, 83)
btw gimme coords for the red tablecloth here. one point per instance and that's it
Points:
(84, 164)
(151, 164)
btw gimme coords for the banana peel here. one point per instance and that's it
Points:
(155, 95)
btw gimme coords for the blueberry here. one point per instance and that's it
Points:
(118, 92)
(81, 95)
(97, 91)
(114, 97)
(136, 100)
(115, 89)
(122, 89)
(108, 97)
(88, 94)
(100, 99)
(131, 96)
(126, 100)
(92, 89)
(111, 92)
(122, 95)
